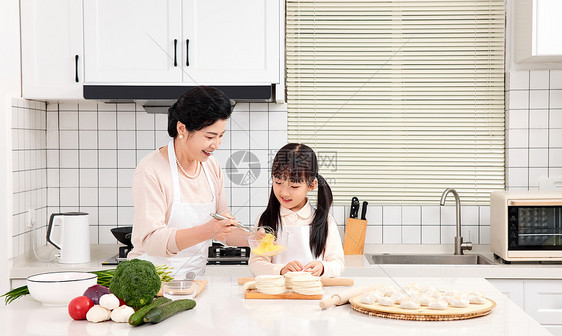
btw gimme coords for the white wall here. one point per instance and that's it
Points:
(10, 86)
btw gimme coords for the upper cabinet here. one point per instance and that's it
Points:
(100, 49)
(132, 41)
(51, 39)
(191, 42)
(229, 41)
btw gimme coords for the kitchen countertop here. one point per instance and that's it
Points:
(355, 265)
(221, 309)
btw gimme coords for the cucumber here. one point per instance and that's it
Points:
(166, 310)
(136, 318)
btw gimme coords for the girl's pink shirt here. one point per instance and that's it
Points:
(332, 258)
(153, 197)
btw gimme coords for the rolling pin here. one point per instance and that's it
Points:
(325, 281)
(343, 297)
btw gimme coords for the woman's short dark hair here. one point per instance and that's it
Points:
(198, 108)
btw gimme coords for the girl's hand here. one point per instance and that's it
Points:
(316, 268)
(293, 266)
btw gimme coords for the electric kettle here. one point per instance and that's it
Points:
(73, 236)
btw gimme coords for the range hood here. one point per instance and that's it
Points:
(158, 98)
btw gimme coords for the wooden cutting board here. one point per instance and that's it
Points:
(200, 287)
(254, 294)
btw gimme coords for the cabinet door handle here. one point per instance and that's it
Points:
(76, 68)
(187, 52)
(175, 52)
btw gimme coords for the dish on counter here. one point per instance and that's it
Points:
(59, 288)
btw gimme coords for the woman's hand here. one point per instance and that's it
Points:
(220, 228)
(293, 266)
(316, 268)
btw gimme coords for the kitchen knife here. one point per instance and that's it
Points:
(354, 207)
(364, 210)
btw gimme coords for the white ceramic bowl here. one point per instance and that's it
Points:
(59, 288)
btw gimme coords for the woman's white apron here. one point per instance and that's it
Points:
(183, 216)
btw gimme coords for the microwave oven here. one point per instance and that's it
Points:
(526, 225)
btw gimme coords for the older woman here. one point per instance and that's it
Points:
(177, 187)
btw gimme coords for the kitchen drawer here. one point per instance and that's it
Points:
(543, 301)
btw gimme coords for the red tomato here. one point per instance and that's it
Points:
(79, 306)
(121, 302)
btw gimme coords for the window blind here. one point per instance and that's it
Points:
(399, 99)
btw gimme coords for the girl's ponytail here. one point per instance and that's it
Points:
(319, 226)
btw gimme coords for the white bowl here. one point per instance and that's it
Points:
(59, 288)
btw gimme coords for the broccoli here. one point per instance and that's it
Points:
(136, 282)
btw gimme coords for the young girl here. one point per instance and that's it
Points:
(313, 241)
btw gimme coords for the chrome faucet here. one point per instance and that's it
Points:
(459, 245)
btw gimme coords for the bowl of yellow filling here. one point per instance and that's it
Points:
(265, 246)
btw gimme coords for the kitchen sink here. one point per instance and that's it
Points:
(428, 259)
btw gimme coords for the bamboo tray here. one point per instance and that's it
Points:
(423, 313)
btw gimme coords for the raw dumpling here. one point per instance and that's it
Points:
(386, 301)
(459, 301)
(476, 299)
(389, 291)
(370, 298)
(437, 305)
(398, 297)
(408, 303)
(422, 299)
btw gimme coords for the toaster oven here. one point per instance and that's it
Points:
(526, 225)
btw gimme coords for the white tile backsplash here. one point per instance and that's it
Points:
(539, 99)
(431, 234)
(539, 79)
(518, 119)
(411, 215)
(556, 99)
(392, 235)
(518, 80)
(411, 234)
(392, 215)
(518, 100)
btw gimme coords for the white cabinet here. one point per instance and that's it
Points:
(541, 299)
(51, 35)
(219, 42)
(229, 42)
(512, 288)
(132, 41)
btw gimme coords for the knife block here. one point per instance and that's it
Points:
(354, 239)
